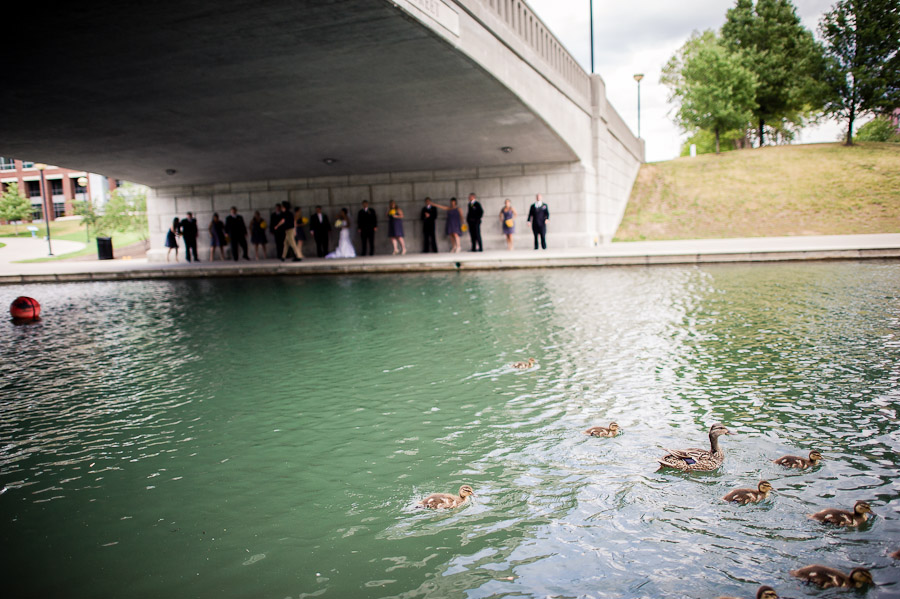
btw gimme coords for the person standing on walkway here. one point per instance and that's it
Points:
(286, 224)
(366, 225)
(319, 225)
(454, 224)
(258, 234)
(189, 233)
(275, 218)
(539, 216)
(429, 218)
(299, 234)
(395, 227)
(216, 237)
(237, 233)
(172, 238)
(508, 222)
(473, 219)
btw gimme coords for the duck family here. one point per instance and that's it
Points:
(698, 459)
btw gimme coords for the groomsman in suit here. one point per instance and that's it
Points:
(539, 216)
(319, 225)
(189, 235)
(278, 232)
(366, 225)
(473, 219)
(237, 233)
(429, 217)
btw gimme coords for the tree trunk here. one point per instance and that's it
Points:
(762, 134)
(852, 115)
(717, 140)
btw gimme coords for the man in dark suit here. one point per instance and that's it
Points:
(237, 233)
(473, 219)
(319, 225)
(277, 232)
(189, 235)
(429, 217)
(539, 216)
(366, 225)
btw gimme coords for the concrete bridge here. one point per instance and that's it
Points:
(249, 102)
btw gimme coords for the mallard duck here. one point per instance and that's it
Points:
(827, 577)
(599, 431)
(860, 514)
(763, 592)
(523, 365)
(795, 461)
(745, 496)
(698, 459)
(439, 501)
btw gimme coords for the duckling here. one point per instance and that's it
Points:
(795, 461)
(698, 459)
(763, 592)
(827, 577)
(860, 514)
(523, 365)
(745, 496)
(439, 501)
(895, 555)
(599, 431)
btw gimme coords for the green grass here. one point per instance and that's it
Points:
(817, 189)
(70, 230)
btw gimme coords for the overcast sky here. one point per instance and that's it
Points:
(639, 36)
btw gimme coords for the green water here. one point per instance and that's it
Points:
(270, 437)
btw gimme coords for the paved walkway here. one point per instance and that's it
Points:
(703, 251)
(27, 247)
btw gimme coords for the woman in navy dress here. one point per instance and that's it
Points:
(454, 223)
(258, 234)
(507, 221)
(395, 227)
(217, 237)
(172, 238)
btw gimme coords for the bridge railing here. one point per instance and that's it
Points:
(528, 28)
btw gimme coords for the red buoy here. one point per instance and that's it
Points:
(25, 308)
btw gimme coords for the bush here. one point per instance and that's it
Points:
(878, 129)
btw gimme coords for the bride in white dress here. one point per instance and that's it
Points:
(345, 246)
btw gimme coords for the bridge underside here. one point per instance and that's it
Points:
(239, 90)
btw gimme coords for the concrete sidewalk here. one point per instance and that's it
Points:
(645, 253)
(28, 248)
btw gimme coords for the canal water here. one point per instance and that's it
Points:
(270, 437)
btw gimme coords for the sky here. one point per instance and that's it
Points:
(639, 37)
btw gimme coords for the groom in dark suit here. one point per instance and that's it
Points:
(539, 216)
(319, 225)
(473, 219)
(366, 225)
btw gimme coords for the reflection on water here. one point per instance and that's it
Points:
(269, 438)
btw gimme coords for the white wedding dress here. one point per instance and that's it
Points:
(345, 246)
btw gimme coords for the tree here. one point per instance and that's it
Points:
(783, 55)
(87, 210)
(881, 128)
(14, 206)
(862, 38)
(714, 90)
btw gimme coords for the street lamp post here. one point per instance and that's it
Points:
(40, 167)
(638, 78)
(83, 183)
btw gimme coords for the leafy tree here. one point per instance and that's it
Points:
(783, 55)
(126, 210)
(714, 91)
(87, 210)
(706, 141)
(862, 38)
(14, 206)
(881, 128)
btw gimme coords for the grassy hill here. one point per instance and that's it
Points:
(816, 189)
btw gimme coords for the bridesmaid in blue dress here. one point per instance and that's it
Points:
(454, 223)
(217, 237)
(508, 222)
(395, 227)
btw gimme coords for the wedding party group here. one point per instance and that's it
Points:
(289, 230)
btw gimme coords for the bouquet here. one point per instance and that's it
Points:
(509, 223)
(339, 223)
(304, 221)
(262, 224)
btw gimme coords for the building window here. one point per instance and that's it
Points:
(27, 164)
(33, 189)
(7, 164)
(37, 212)
(80, 192)
(59, 209)
(56, 188)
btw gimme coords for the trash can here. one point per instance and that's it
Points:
(104, 248)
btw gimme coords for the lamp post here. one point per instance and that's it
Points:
(638, 78)
(40, 167)
(592, 36)
(83, 183)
